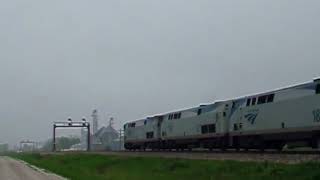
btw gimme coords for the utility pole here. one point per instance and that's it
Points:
(54, 138)
(89, 139)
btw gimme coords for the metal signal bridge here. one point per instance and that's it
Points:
(71, 124)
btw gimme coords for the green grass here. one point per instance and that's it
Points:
(89, 166)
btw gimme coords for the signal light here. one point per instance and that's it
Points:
(84, 123)
(69, 121)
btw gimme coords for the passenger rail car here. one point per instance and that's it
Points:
(261, 121)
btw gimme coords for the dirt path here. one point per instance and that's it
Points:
(11, 169)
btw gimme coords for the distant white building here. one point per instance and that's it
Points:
(106, 138)
(95, 120)
(84, 137)
(78, 147)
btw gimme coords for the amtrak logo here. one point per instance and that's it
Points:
(252, 116)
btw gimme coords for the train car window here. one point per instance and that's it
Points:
(149, 135)
(282, 125)
(204, 129)
(224, 114)
(164, 133)
(145, 122)
(248, 102)
(179, 115)
(262, 99)
(212, 128)
(235, 127)
(270, 98)
(318, 89)
(240, 126)
(175, 116)
(199, 111)
(254, 100)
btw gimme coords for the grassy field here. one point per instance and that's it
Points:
(90, 167)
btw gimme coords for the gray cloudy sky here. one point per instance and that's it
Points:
(132, 58)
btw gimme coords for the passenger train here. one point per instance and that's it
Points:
(262, 121)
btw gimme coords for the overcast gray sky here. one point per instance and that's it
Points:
(133, 58)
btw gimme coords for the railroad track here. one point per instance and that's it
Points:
(232, 151)
(288, 157)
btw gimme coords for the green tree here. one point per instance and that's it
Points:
(61, 143)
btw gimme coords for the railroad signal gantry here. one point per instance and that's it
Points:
(71, 124)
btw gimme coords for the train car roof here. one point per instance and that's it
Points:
(293, 86)
(203, 105)
(140, 120)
